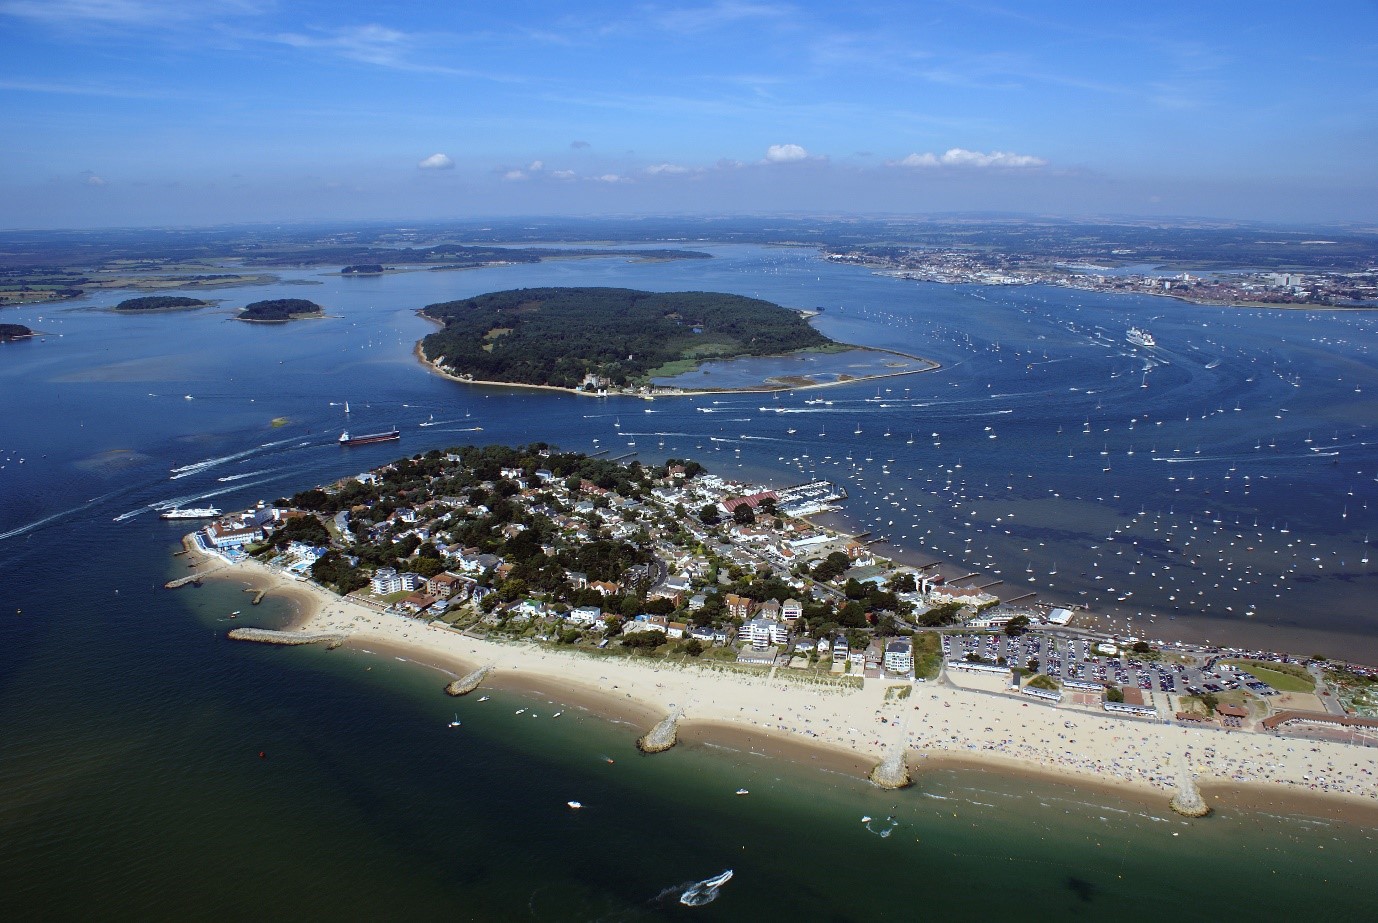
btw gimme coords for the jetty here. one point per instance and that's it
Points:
(189, 578)
(332, 639)
(663, 736)
(893, 771)
(467, 684)
(1188, 801)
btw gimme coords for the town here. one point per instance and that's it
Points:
(673, 562)
(1245, 288)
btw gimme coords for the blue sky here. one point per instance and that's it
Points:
(134, 112)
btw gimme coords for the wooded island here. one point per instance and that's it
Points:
(592, 338)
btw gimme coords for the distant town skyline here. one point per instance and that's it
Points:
(144, 112)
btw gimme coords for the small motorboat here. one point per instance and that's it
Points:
(485, 698)
(742, 791)
(574, 805)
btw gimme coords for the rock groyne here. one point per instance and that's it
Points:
(467, 684)
(332, 639)
(663, 736)
(893, 771)
(1188, 801)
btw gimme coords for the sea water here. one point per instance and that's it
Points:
(155, 770)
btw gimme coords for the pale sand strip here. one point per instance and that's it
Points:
(846, 727)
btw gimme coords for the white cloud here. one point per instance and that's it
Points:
(961, 157)
(666, 169)
(437, 162)
(785, 153)
(94, 180)
(562, 174)
(514, 175)
(611, 178)
(536, 166)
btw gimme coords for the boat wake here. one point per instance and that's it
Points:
(698, 893)
(204, 464)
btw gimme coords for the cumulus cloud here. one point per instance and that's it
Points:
(514, 175)
(666, 169)
(611, 178)
(785, 153)
(437, 162)
(562, 174)
(94, 180)
(536, 166)
(961, 157)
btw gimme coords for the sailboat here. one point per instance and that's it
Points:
(455, 723)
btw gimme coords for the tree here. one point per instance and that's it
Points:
(743, 515)
(709, 515)
(1142, 647)
(1210, 701)
(693, 647)
(903, 583)
(1114, 694)
(1017, 626)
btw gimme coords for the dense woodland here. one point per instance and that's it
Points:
(159, 303)
(557, 336)
(280, 309)
(10, 332)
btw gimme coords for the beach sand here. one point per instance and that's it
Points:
(849, 730)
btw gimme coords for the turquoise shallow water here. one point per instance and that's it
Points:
(132, 729)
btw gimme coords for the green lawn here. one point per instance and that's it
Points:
(1284, 677)
(1284, 682)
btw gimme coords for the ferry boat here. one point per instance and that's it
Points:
(1140, 337)
(200, 512)
(390, 436)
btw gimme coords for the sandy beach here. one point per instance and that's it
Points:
(849, 730)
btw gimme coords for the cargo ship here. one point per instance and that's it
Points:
(200, 512)
(389, 436)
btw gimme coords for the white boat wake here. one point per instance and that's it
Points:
(706, 891)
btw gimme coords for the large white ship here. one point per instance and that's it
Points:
(1140, 337)
(199, 512)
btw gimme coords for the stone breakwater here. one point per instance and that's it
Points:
(467, 684)
(893, 771)
(332, 639)
(663, 736)
(1188, 801)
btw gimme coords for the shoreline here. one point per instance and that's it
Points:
(766, 386)
(848, 731)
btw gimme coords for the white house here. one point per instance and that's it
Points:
(899, 656)
(762, 632)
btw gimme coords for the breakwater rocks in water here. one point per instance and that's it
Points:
(467, 684)
(1188, 801)
(663, 736)
(267, 636)
(893, 771)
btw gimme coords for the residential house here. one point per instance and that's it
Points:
(899, 656)
(762, 632)
(791, 610)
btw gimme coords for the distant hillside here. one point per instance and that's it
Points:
(159, 303)
(557, 336)
(280, 309)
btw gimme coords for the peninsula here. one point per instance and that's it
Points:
(721, 606)
(11, 332)
(616, 340)
(280, 310)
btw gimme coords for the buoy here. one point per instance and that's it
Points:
(263, 755)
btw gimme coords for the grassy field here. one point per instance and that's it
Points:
(1284, 677)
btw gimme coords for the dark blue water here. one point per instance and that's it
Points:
(132, 729)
